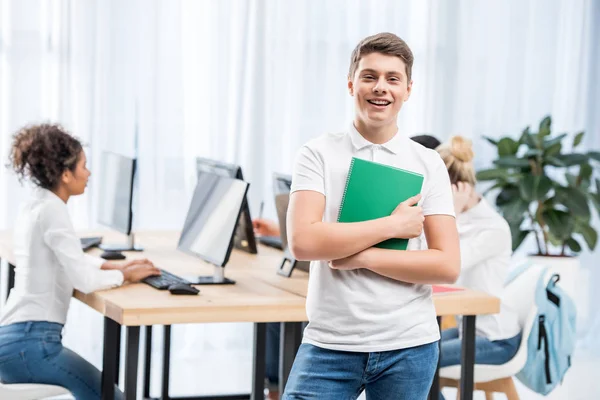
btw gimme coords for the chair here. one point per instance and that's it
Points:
(519, 296)
(30, 391)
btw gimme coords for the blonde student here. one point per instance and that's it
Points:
(486, 249)
(50, 264)
(372, 323)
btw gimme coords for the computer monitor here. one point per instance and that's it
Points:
(117, 173)
(211, 221)
(281, 189)
(244, 233)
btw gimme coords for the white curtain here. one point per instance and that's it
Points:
(249, 81)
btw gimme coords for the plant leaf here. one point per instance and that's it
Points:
(578, 139)
(573, 245)
(511, 162)
(533, 188)
(585, 175)
(560, 223)
(530, 140)
(492, 173)
(551, 142)
(571, 179)
(551, 160)
(514, 211)
(552, 150)
(533, 153)
(574, 200)
(524, 135)
(573, 159)
(507, 147)
(594, 154)
(589, 234)
(518, 236)
(507, 195)
(545, 125)
(492, 141)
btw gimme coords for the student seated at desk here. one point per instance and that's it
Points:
(486, 248)
(50, 264)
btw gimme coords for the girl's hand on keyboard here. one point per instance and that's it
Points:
(138, 271)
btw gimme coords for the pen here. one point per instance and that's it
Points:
(260, 211)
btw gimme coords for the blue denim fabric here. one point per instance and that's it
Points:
(488, 352)
(323, 374)
(272, 354)
(32, 352)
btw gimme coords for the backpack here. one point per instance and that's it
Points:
(552, 339)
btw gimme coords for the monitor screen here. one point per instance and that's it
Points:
(212, 217)
(282, 184)
(244, 233)
(219, 168)
(281, 189)
(116, 191)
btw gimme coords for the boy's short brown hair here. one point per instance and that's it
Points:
(384, 43)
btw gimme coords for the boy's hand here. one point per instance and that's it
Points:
(408, 218)
(349, 263)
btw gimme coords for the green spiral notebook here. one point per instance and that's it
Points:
(374, 191)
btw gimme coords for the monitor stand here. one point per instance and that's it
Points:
(218, 278)
(129, 246)
(286, 270)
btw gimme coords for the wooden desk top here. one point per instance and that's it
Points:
(259, 295)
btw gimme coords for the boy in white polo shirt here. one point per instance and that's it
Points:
(372, 323)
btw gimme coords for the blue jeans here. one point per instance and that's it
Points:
(32, 352)
(488, 352)
(272, 354)
(341, 375)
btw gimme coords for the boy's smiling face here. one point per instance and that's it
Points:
(380, 87)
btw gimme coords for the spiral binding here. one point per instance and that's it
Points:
(345, 188)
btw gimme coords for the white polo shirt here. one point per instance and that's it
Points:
(360, 310)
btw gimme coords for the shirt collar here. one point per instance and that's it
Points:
(481, 209)
(394, 145)
(45, 194)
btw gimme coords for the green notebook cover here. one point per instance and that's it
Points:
(374, 191)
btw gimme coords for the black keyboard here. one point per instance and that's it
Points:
(89, 242)
(163, 281)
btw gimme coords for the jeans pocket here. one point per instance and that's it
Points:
(51, 345)
(13, 369)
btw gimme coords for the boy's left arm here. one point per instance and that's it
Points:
(439, 264)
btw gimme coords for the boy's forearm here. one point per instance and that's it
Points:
(332, 241)
(421, 266)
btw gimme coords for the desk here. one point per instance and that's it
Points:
(259, 296)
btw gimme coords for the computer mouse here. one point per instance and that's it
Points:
(183, 288)
(113, 255)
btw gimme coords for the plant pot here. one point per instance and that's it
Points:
(566, 267)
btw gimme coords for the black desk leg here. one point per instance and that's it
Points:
(258, 370)
(147, 361)
(291, 338)
(467, 358)
(132, 350)
(110, 358)
(11, 279)
(166, 362)
(434, 392)
(118, 355)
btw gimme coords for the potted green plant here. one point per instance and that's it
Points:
(548, 189)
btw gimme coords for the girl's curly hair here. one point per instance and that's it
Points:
(43, 152)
